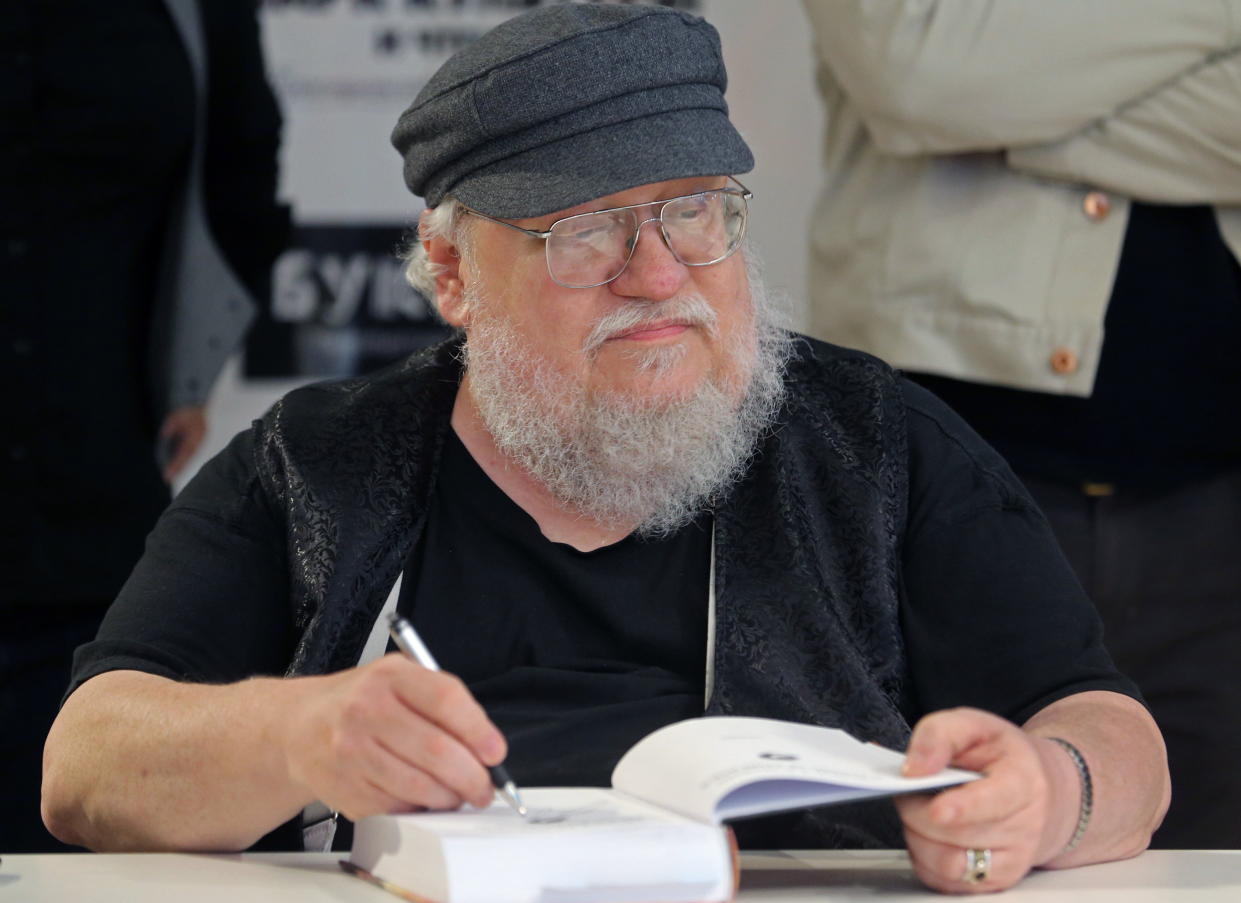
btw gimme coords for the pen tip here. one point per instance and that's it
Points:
(510, 794)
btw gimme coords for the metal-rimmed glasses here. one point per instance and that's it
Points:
(591, 249)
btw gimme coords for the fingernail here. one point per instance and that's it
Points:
(493, 749)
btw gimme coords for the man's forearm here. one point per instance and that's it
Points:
(138, 762)
(1179, 145)
(1128, 769)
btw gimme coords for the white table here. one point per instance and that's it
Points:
(1157, 876)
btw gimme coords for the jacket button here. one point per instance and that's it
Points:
(1097, 206)
(1064, 360)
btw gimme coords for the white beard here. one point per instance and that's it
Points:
(625, 461)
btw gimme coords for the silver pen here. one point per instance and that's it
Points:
(408, 641)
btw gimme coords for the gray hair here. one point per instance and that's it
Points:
(444, 221)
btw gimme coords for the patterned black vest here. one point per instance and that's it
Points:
(807, 544)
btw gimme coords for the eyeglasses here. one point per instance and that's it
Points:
(592, 249)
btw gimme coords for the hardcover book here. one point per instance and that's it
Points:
(658, 834)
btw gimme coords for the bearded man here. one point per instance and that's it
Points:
(624, 496)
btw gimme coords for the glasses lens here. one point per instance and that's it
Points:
(705, 228)
(590, 248)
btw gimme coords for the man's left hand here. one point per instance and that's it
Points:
(1005, 812)
(180, 434)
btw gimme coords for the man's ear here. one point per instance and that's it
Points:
(445, 259)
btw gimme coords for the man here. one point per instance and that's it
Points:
(626, 497)
(1032, 209)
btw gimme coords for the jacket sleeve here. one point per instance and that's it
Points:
(229, 226)
(947, 76)
(1178, 145)
(244, 122)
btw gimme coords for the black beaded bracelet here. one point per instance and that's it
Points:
(1083, 772)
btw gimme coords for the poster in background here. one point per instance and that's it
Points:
(343, 71)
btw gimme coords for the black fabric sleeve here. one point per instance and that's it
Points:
(207, 602)
(243, 141)
(992, 614)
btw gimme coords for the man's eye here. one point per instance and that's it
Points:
(692, 211)
(590, 231)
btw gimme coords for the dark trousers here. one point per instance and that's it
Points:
(1164, 569)
(36, 651)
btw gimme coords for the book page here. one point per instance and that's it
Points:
(713, 769)
(559, 811)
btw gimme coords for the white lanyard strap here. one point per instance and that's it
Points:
(318, 821)
(709, 679)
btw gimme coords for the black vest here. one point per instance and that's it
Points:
(808, 544)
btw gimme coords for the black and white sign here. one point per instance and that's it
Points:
(344, 70)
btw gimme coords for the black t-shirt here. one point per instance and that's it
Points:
(568, 652)
(574, 655)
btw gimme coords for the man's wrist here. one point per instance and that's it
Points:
(1086, 794)
(1064, 800)
(283, 735)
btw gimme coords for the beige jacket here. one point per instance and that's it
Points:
(979, 161)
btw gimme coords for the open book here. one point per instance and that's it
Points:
(655, 836)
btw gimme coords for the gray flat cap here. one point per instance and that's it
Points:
(569, 103)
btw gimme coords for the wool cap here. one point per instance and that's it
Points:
(569, 103)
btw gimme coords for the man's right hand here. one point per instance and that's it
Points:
(391, 736)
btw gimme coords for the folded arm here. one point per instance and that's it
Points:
(1178, 145)
(935, 77)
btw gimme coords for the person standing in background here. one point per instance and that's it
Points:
(135, 135)
(1034, 209)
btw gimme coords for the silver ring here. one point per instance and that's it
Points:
(977, 866)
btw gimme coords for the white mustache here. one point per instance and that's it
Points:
(692, 309)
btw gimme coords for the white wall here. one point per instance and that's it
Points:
(773, 102)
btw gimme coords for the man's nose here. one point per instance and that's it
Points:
(653, 272)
